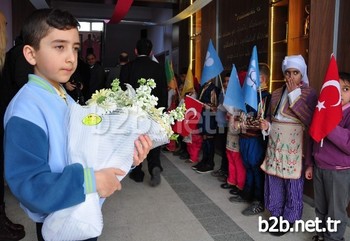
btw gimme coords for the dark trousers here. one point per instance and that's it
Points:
(253, 152)
(40, 236)
(331, 189)
(222, 138)
(153, 160)
(208, 147)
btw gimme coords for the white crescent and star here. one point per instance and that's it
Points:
(321, 104)
(252, 75)
(194, 111)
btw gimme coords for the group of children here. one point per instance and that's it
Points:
(265, 148)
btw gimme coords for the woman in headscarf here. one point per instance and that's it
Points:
(288, 118)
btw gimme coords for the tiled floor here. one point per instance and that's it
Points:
(185, 207)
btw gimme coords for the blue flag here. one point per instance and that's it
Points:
(212, 65)
(252, 81)
(234, 100)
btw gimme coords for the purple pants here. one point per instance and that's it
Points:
(284, 197)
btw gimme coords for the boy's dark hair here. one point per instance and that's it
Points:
(144, 46)
(91, 54)
(123, 57)
(264, 69)
(39, 24)
(228, 73)
(344, 76)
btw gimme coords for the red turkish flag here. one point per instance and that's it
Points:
(328, 112)
(192, 117)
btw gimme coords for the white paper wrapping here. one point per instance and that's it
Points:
(109, 143)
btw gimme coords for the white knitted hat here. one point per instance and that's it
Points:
(296, 62)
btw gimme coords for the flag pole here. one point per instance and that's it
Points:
(178, 91)
(222, 86)
(261, 107)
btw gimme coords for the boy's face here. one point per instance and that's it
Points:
(91, 59)
(263, 79)
(293, 75)
(345, 92)
(56, 59)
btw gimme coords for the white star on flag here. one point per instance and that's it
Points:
(320, 105)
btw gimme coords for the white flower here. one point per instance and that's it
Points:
(141, 98)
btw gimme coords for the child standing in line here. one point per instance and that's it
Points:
(221, 119)
(209, 97)
(252, 148)
(193, 140)
(330, 171)
(288, 117)
(35, 132)
(236, 170)
(194, 145)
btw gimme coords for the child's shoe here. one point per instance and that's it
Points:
(184, 155)
(205, 168)
(219, 173)
(227, 186)
(195, 167)
(256, 208)
(235, 191)
(222, 178)
(190, 161)
(238, 199)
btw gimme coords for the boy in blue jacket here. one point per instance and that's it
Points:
(35, 142)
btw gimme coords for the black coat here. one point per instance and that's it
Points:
(97, 80)
(14, 74)
(144, 67)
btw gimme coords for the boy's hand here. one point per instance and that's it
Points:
(308, 173)
(252, 123)
(291, 85)
(107, 182)
(142, 147)
(237, 125)
(264, 124)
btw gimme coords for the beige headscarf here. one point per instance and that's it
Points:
(2, 39)
(296, 62)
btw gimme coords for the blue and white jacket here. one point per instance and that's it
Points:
(35, 145)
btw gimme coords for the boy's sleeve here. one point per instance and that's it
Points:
(340, 137)
(303, 107)
(29, 175)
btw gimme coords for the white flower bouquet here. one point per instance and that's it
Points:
(101, 135)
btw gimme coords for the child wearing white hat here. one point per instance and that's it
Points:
(288, 118)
